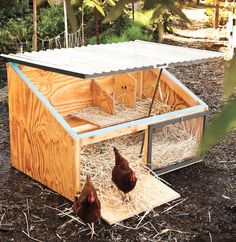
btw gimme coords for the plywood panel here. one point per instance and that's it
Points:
(168, 92)
(74, 121)
(94, 138)
(102, 99)
(107, 84)
(85, 128)
(100, 122)
(157, 193)
(40, 146)
(138, 75)
(67, 94)
(125, 89)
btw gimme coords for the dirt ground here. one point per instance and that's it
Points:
(205, 212)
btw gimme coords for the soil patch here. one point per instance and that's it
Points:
(208, 189)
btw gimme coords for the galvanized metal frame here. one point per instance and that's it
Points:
(184, 162)
(6, 59)
(145, 60)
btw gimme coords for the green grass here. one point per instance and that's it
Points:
(143, 18)
(134, 30)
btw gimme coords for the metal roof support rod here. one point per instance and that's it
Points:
(150, 108)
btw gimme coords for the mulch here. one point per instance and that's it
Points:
(208, 189)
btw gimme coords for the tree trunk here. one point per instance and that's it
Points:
(71, 16)
(217, 14)
(96, 24)
(133, 11)
(82, 25)
(35, 25)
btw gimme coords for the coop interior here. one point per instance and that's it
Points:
(93, 104)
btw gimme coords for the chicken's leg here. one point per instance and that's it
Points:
(92, 232)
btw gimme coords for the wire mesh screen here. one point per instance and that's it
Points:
(174, 143)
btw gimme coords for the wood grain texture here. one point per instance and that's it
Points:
(125, 87)
(67, 94)
(85, 128)
(168, 92)
(77, 185)
(157, 193)
(102, 99)
(74, 121)
(100, 122)
(40, 146)
(138, 75)
(94, 138)
(107, 84)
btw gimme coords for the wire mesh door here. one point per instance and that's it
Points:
(174, 143)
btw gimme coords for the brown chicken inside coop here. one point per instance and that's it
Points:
(122, 175)
(87, 206)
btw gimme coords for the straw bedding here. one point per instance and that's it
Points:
(124, 113)
(98, 160)
(171, 143)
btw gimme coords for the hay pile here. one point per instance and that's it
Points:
(98, 160)
(124, 113)
(171, 144)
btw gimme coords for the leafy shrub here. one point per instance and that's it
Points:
(89, 22)
(50, 22)
(163, 24)
(132, 32)
(12, 9)
(20, 30)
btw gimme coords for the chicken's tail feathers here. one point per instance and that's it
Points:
(115, 150)
(88, 179)
(117, 156)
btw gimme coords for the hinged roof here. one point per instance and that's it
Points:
(101, 60)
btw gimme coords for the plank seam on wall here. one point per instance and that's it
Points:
(47, 104)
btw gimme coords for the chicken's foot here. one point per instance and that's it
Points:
(92, 232)
(126, 198)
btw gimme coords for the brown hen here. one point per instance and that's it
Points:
(87, 206)
(122, 175)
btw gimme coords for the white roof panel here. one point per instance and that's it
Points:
(106, 59)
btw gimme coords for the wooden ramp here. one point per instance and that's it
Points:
(154, 193)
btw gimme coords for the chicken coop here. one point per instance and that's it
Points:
(69, 107)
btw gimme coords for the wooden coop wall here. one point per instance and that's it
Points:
(40, 146)
(69, 94)
(43, 149)
(168, 92)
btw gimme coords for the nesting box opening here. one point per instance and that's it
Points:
(98, 160)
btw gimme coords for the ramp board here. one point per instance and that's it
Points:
(154, 192)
